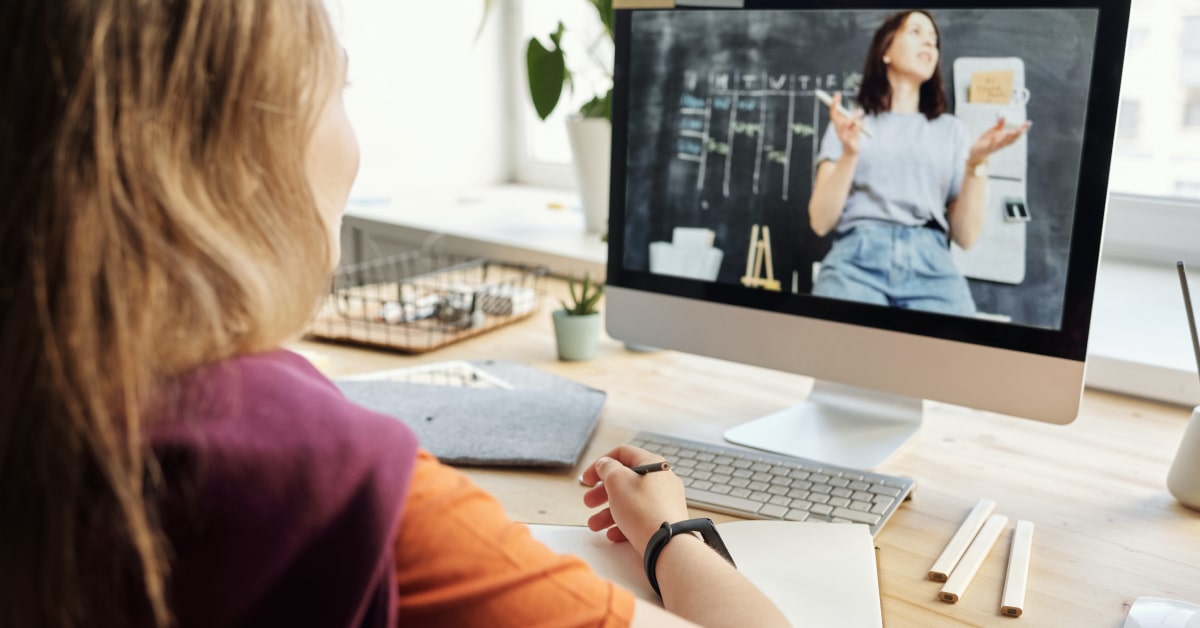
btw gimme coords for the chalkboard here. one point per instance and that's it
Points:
(724, 127)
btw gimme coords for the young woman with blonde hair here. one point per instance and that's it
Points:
(174, 175)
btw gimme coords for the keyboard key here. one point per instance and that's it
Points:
(798, 493)
(723, 501)
(856, 516)
(796, 515)
(771, 510)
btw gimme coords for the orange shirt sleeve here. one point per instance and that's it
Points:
(461, 562)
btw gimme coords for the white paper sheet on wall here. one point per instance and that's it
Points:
(999, 254)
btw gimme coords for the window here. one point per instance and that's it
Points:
(1154, 210)
(1188, 188)
(543, 151)
(1191, 107)
(1136, 39)
(1190, 63)
(1130, 120)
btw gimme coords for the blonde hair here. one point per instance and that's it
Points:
(157, 216)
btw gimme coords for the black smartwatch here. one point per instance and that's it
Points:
(708, 532)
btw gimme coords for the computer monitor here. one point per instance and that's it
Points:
(891, 262)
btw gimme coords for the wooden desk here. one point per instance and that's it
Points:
(1107, 530)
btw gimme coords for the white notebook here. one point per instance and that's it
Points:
(818, 574)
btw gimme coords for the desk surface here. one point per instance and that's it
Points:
(1107, 530)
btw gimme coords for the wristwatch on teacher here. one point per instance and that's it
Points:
(978, 170)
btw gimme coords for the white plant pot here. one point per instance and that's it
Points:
(591, 152)
(576, 335)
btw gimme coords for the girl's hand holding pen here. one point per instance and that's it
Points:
(638, 503)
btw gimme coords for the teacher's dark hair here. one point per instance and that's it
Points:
(875, 93)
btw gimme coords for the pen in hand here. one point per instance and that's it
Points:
(643, 469)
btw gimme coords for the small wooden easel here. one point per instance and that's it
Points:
(760, 248)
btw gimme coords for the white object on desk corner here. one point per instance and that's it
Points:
(1157, 612)
(818, 574)
(1184, 478)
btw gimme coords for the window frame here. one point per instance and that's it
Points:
(1152, 229)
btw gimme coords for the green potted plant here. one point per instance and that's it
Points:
(577, 324)
(589, 131)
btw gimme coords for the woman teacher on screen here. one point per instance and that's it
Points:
(897, 197)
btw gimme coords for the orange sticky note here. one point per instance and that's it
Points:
(993, 88)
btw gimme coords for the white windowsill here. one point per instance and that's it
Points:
(510, 223)
(1139, 342)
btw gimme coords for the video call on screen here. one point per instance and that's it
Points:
(727, 129)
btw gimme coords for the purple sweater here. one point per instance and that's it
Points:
(281, 498)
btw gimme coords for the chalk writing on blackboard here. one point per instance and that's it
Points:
(737, 103)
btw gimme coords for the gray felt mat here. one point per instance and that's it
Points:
(545, 420)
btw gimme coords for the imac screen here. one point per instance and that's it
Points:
(920, 160)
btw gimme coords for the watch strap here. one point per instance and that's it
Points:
(667, 531)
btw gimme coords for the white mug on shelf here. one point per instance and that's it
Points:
(1184, 478)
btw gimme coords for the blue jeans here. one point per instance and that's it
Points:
(895, 265)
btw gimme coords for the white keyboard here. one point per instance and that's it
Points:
(762, 485)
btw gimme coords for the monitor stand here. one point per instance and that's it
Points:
(842, 425)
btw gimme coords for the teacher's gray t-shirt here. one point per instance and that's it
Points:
(908, 170)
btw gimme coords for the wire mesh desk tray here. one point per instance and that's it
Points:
(419, 301)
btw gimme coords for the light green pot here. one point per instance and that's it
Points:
(576, 335)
